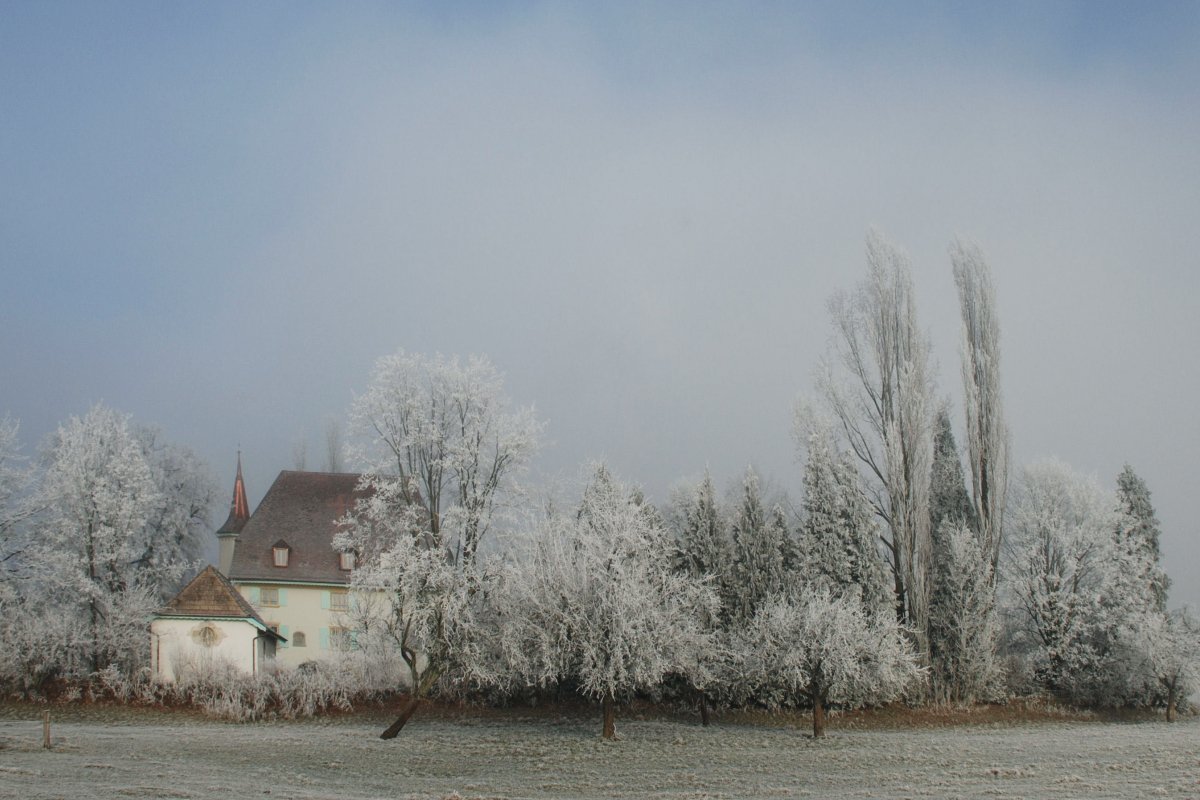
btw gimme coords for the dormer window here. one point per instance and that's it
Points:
(346, 559)
(280, 552)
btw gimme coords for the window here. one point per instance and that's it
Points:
(298, 639)
(268, 597)
(339, 601)
(207, 636)
(281, 555)
(346, 560)
(339, 638)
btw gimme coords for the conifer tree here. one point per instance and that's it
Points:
(1140, 535)
(948, 497)
(838, 549)
(962, 619)
(760, 542)
(704, 547)
(963, 624)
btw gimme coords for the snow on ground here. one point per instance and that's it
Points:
(179, 756)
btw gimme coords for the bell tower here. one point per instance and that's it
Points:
(239, 512)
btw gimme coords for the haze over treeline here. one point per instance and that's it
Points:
(217, 218)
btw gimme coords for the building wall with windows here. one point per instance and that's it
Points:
(313, 618)
(181, 645)
(209, 625)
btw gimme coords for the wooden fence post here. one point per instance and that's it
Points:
(46, 729)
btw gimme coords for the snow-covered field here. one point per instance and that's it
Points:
(176, 756)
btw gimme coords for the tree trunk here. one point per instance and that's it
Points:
(818, 718)
(610, 718)
(1171, 703)
(405, 713)
(704, 709)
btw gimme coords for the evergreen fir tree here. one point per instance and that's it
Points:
(705, 548)
(760, 543)
(962, 618)
(1140, 535)
(838, 539)
(963, 624)
(948, 497)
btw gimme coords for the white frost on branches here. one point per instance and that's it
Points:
(446, 431)
(594, 600)
(826, 649)
(409, 597)
(1076, 579)
(122, 516)
(987, 431)
(884, 408)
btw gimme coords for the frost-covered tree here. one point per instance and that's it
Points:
(446, 431)
(704, 543)
(178, 525)
(1172, 645)
(987, 431)
(1077, 615)
(963, 624)
(826, 649)
(120, 516)
(838, 541)
(879, 388)
(100, 497)
(948, 498)
(300, 455)
(762, 551)
(333, 446)
(1140, 535)
(596, 602)
(15, 504)
(410, 597)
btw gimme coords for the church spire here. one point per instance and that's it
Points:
(239, 513)
(239, 508)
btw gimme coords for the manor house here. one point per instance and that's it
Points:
(281, 559)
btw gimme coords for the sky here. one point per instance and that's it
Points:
(216, 217)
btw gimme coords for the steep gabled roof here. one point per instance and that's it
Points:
(302, 509)
(239, 508)
(210, 594)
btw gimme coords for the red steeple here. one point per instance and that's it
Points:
(239, 509)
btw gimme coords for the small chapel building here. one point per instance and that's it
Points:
(210, 625)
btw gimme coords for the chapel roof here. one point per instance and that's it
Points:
(209, 594)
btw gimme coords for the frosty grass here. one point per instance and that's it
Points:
(180, 756)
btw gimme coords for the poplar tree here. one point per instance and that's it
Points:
(879, 389)
(987, 430)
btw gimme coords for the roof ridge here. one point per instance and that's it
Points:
(191, 593)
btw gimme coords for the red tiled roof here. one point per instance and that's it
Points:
(302, 509)
(239, 508)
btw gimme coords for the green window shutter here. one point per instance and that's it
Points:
(325, 637)
(285, 633)
(325, 602)
(353, 640)
(283, 597)
(255, 595)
